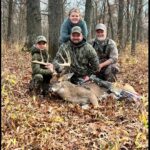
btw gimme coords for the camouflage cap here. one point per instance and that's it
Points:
(41, 38)
(76, 29)
(100, 26)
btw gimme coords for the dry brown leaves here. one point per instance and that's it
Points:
(32, 123)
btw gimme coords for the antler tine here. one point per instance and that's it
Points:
(68, 56)
(62, 57)
(65, 63)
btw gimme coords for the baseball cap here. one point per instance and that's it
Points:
(76, 29)
(41, 38)
(100, 26)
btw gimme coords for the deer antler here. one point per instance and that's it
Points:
(65, 63)
(39, 62)
(43, 63)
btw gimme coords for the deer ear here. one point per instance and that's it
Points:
(69, 75)
(65, 77)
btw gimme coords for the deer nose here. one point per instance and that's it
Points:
(50, 88)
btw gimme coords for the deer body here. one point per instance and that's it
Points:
(94, 88)
(78, 94)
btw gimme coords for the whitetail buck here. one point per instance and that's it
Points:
(82, 94)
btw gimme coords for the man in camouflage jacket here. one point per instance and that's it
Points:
(84, 60)
(107, 52)
(41, 74)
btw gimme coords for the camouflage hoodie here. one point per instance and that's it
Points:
(40, 55)
(84, 60)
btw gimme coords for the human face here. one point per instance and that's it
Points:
(101, 34)
(76, 37)
(74, 17)
(41, 45)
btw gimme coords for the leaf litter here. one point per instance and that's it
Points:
(50, 123)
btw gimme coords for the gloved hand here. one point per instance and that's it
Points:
(50, 66)
(86, 78)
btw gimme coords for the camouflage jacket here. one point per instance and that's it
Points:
(84, 60)
(39, 55)
(106, 50)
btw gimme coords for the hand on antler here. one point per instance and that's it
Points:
(50, 67)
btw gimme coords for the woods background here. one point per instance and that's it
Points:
(23, 20)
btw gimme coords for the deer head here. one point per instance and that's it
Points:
(64, 75)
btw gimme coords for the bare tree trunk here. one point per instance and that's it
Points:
(88, 16)
(104, 12)
(140, 21)
(93, 23)
(22, 22)
(96, 12)
(120, 23)
(63, 10)
(134, 28)
(10, 15)
(128, 22)
(33, 21)
(101, 12)
(4, 21)
(110, 20)
(54, 9)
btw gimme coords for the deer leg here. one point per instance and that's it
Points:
(94, 100)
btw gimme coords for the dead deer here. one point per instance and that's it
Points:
(88, 93)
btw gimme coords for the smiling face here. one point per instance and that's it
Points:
(41, 45)
(101, 34)
(76, 37)
(74, 17)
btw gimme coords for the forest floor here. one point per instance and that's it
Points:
(44, 124)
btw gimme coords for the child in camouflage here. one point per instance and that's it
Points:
(41, 74)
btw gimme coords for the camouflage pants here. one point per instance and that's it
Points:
(40, 83)
(108, 73)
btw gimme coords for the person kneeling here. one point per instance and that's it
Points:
(108, 54)
(41, 74)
